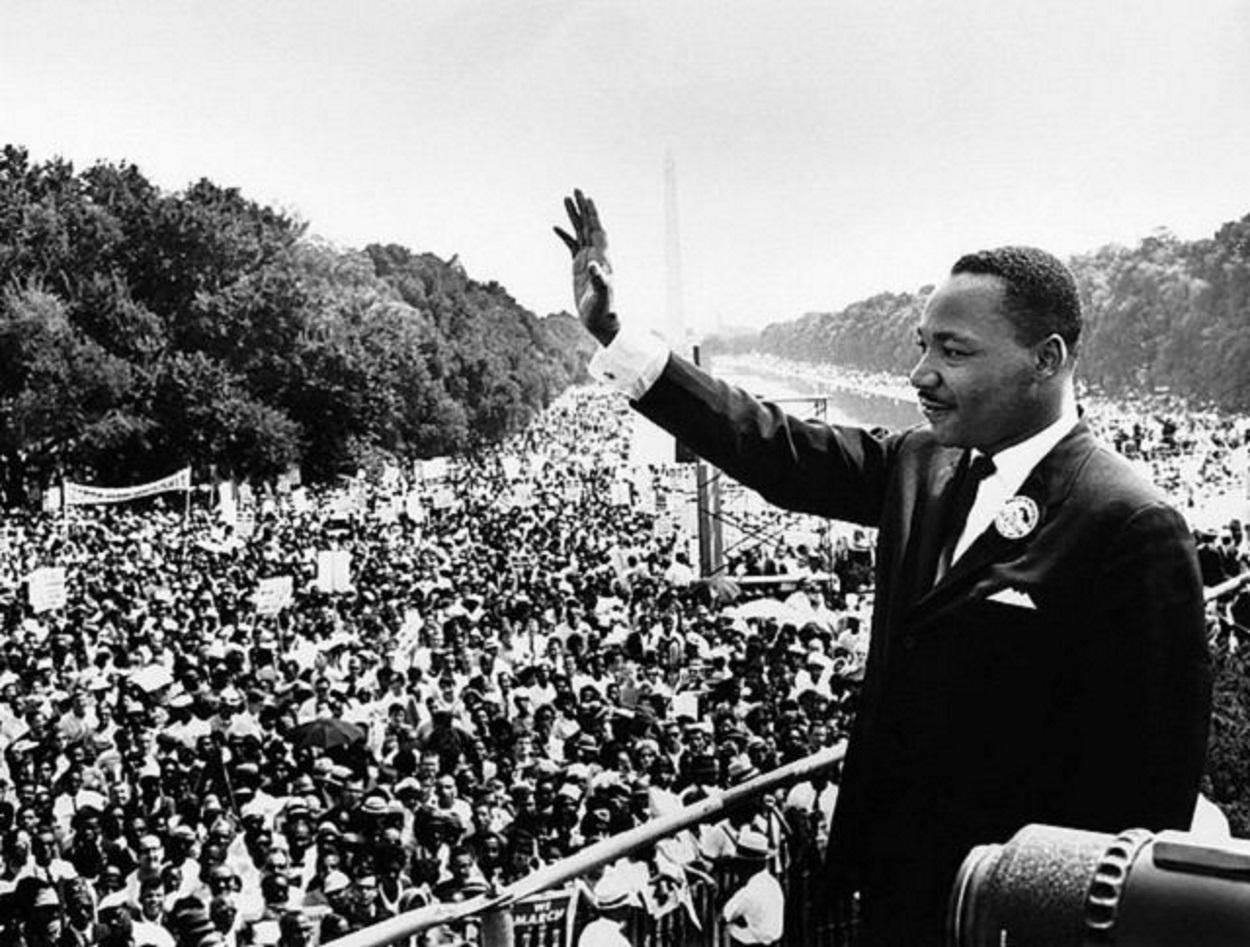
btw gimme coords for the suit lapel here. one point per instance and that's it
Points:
(1047, 486)
(926, 529)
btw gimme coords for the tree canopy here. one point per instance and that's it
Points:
(142, 330)
(1163, 314)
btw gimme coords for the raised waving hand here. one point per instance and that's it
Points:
(592, 273)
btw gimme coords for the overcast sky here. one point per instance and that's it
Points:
(824, 150)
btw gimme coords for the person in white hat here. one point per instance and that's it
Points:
(613, 899)
(755, 913)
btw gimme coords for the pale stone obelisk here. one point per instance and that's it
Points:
(674, 310)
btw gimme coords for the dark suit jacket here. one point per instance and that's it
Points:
(978, 717)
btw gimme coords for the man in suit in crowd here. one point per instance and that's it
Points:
(1037, 651)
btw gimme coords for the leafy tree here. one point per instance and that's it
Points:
(1161, 314)
(63, 398)
(145, 329)
(203, 413)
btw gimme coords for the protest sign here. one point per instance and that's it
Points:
(646, 501)
(387, 511)
(227, 506)
(444, 498)
(545, 919)
(334, 570)
(80, 494)
(414, 509)
(436, 468)
(47, 589)
(291, 478)
(685, 704)
(342, 506)
(245, 523)
(273, 595)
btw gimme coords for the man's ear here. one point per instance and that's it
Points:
(1051, 355)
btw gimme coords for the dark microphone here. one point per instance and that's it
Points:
(1055, 887)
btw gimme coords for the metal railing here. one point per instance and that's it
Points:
(812, 920)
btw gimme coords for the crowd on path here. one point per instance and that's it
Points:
(515, 659)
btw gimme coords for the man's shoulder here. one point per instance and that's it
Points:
(1113, 498)
(917, 447)
(1111, 480)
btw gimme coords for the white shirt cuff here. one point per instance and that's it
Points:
(631, 363)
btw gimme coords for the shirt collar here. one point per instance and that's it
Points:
(1013, 464)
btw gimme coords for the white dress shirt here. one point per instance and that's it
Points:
(1012, 466)
(632, 362)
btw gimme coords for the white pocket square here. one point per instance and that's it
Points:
(1012, 597)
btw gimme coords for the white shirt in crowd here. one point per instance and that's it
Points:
(603, 933)
(755, 914)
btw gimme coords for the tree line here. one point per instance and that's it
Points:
(1165, 314)
(142, 330)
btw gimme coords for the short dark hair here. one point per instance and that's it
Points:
(1041, 296)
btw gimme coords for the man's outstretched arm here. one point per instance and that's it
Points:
(814, 468)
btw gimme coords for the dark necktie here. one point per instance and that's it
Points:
(960, 506)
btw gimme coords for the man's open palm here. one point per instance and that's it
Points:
(592, 273)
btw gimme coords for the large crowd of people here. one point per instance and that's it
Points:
(516, 659)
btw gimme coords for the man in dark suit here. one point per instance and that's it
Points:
(1038, 652)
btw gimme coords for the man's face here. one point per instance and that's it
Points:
(88, 830)
(462, 866)
(151, 852)
(367, 890)
(222, 912)
(150, 902)
(481, 818)
(978, 384)
(44, 847)
(492, 848)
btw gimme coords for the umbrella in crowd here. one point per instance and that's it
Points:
(326, 733)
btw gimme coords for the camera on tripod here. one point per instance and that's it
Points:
(1055, 887)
